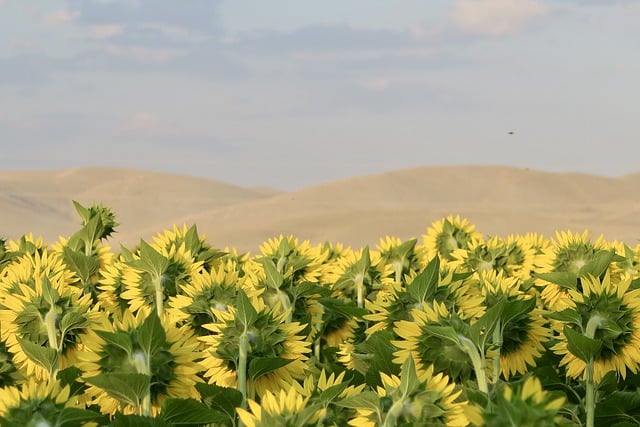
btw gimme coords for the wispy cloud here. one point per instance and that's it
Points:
(105, 31)
(496, 17)
(143, 53)
(147, 124)
(61, 17)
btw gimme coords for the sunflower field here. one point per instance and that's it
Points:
(454, 328)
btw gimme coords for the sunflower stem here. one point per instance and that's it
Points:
(391, 419)
(497, 342)
(159, 296)
(52, 336)
(360, 291)
(478, 362)
(242, 366)
(590, 396)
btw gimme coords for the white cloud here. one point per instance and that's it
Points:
(378, 84)
(496, 17)
(146, 123)
(61, 17)
(142, 53)
(105, 31)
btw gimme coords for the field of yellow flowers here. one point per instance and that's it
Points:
(453, 328)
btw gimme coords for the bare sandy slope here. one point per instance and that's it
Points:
(357, 211)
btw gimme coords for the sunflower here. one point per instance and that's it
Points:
(282, 408)
(627, 260)
(401, 256)
(426, 349)
(296, 261)
(527, 404)
(41, 308)
(156, 274)
(269, 338)
(143, 347)
(524, 333)
(608, 312)
(446, 235)
(216, 288)
(194, 244)
(431, 399)
(480, 256)
(35, 403)
(567, 254)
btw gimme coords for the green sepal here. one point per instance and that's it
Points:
(246, 313)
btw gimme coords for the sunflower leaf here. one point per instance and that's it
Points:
(72, 320)
(598, 264)
(274, 278)
(443, 332)
(83, 265)
(260, 366)
(128, 388)
(46, 357)
(425, 284)
(343, 308)
(117, 339)
(568, 316)
(246, 313)
(364, 400)
(581, 346)
(516, 308)
(409, 381)
(189, 412)
(483, 328)
(151, 335)
(121, 420)
(331, 393)
(151, 261)
(76, 417)
(564, 279)
(222, 399)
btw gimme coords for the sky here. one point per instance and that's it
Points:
(294, 93)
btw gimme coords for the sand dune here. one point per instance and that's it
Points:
(356, 211)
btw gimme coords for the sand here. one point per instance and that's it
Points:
(357, 211)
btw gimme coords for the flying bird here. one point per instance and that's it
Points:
(510, 132)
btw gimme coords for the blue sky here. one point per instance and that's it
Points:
(287, 94)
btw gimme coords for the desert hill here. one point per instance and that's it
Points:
(356, 211)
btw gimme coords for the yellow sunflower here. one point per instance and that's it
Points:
(143, 347)
(446, 235)
(609, 313)
(269, 338)
(40, 308)
(37, 403)
(401, 256)
(431, 400)
(281, 408)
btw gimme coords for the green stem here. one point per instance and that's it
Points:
(242, 367)
(590, 395)
(159, 296)
(360, 291)
(52, 336)
(470, 348)
(497, 342)
(394, 412)
(595, 321)
(397, 267)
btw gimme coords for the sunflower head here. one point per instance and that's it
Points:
(282, 408)
(446, 235)
(526, 403)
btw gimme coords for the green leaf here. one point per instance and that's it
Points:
(307, 288)
(246, 313)
(331, 393)
(364, 400)
(192, 241)
(83, 265)
(443, 332)
(76, 417)
(128, 388)
(409, 381)
(69, 377)
(274, 279)
(360, 268)
(118, 339)
(516, 308)
(222, 399)
(49, 294)
(346, 309)
(137, 421)
(425, 284)
(151, 261)
(598, 265)
(44, 356)
(568, 315)
(260, 366)
(151, 335)
(72, 320)
(82, 211)
(582, 347)
(189, 412)
(481, 330)
(564, 279)
(377, 346)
